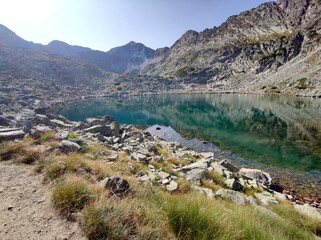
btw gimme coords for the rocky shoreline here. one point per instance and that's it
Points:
(180, 162)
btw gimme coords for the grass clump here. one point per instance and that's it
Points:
(217, 178)
(287, 211)
(197, 217)
(108, 222)
(70, 197)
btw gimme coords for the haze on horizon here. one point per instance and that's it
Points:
(104, 24)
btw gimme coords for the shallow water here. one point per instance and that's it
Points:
(282, 134)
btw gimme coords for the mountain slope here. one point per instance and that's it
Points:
(130, 58)
(265, 46)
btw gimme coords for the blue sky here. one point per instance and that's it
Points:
(104, 24)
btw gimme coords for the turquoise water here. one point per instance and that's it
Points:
(282, 132)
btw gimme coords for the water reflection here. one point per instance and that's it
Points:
(278, 131)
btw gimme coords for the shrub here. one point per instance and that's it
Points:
(70, 197)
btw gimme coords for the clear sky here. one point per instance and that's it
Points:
(104, 24)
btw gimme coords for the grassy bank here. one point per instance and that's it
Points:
(146, 212)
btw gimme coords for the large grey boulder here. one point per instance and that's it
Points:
(102, 129)
(266, 198)
(68, 146)
(233, 184)
(138, 157)
(37, 131)
(258, 175)
(11, 134)
(201, 164)
(59, 123)
(205, 191)
(116, 186)
(308, 211)
(197, 174)
(237, 197)
(229, 166)
(104, 120)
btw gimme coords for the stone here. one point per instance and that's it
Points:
(165, 181)
(258, 175)
(237, 197)
(308, 211)
(252, 201)
(172, 186)
(151, 176)
(205, 191)
(62, 135)
(112, 157)
(207, 155)
(59, 123)
(201, 164)
(116, 185)
(11, 135)
(218, 168)
(163, 175)
(267, 212)
(233, 184)
(68, 146)
(266, 198)
(37, 131)
(104, 120)
(103, 130)
(197, 174)
(138, 157)
(229, 166)
(27, 125)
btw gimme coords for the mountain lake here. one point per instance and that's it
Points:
(280, 135)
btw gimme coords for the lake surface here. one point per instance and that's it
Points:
(278, 134)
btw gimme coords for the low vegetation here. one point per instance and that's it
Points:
(148, 212)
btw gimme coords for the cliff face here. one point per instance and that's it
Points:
(270, 48)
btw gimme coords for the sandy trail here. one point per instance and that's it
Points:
(26, 211)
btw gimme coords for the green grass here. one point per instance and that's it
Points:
(70, 197)
(196, 217)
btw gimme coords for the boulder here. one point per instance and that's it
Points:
(172, 186)
(233, 184)
(68, 146)
(258, 175)
(197, 174)
(112, 157)
(100, 120)
(116, 186)
(205, 191)
(251, 200)
(308, 211)
(201, 164)
(27, 125)
(37, 131)
(103, 130)
(11, 134)
(207, 155)
(163, 175)
(266, 198)
(138, 157)
(62, 135)
(267, 212)
(237, 197)
(59, 123)
(228, 166)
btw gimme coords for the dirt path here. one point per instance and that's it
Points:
(26, 211)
